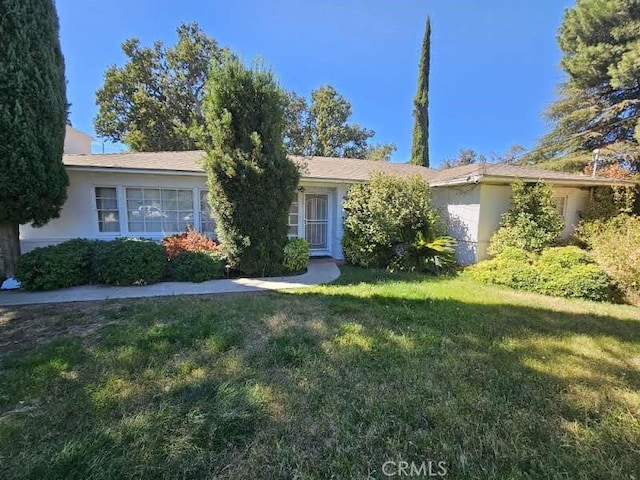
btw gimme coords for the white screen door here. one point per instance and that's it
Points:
(316, 212)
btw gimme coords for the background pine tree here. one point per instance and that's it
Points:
(33, 116)
(420, 145)
(599, 101)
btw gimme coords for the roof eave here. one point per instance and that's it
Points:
(505, 179)
(468, 180)
(80, 168)
(115, 169)
(330, 180)
(570, 182)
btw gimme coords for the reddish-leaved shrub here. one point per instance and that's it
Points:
(190, 241)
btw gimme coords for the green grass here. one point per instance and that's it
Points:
(326, 382)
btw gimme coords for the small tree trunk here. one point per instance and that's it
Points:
(10, 247)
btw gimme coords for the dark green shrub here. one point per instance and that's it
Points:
(197, 266)
(615, 246)
(296, 255)
(33, 113)
(532, 223)
(251, 180)
(130, 261)
(64, 265)
(384, 217)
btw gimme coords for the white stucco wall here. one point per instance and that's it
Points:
(76, 142)
(473, 214)
(79, 217)
(340, 194)
(496, 200)
(460, 207)
(577, 200)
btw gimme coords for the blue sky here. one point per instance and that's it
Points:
(494, 64)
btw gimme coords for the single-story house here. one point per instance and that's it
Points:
(151, 195)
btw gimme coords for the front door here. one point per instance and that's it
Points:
(316, 221)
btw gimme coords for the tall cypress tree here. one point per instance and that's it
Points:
(33, 114)
(420, 144)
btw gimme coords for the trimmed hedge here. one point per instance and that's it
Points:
(196, 266)
(560, 272)
(128, 261)
(296, 255)
(58, 266)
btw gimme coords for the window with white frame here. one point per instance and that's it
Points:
(107, 208)
(159, 210)
(293, 220)
(207, 223)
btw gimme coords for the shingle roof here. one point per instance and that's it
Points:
(321, 168)
(171, 161)
(352, 169)
(506, 171)
(337, 169)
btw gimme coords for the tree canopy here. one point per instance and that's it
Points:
(468, 156)
(599, 103)
(153, 102)
(321, 128)
(33, 115)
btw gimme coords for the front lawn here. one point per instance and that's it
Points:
(326, 382)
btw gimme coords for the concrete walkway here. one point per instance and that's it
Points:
(320, 271)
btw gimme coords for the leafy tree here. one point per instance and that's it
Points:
(33, 115)
(532, 224)
(466, 156)
(515, 155)
(322, 128)
(251, 181)
(599, 103)
(153, 102)
(420, 145)
(298, 140)
(381, 152)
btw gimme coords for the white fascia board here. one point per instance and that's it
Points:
(143, 171)
(502, 180)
